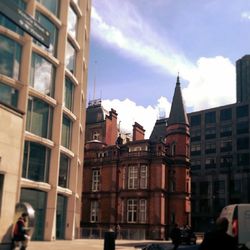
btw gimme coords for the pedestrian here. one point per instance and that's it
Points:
(175, 235)
(21, 233)
(218, 238)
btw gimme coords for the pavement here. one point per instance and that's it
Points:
(93, 244)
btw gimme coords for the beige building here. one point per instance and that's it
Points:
(48, 88)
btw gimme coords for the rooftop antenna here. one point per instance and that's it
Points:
(95, 63)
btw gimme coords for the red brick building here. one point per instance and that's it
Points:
(139, 187)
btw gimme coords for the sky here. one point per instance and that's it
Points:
(138, 47)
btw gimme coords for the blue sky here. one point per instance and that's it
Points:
(137, 48)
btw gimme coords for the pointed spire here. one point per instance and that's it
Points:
(178, 80)
(177, 112)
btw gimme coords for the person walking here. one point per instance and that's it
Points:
(20, 233)
(218, 238)
(175, 235)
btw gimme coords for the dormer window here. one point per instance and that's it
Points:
(96, 135)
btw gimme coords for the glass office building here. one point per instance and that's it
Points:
(48, 84)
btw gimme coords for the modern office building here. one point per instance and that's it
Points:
(140, 188)
(46, 89)
(243, 79)
(220, 161)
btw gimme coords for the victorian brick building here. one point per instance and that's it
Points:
(139, 187)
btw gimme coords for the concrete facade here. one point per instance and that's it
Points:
(11, 132)
(49, 86)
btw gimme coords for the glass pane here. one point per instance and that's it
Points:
(36, 162)
(61, 211)
(44, 21)
(69, 92)
(70, 58)
(39, 118)
(10, 54)
(42, 75)
(8, 95)
(63, 171)
(37, 199)
(53, 6)
(7, 23)
(66, 132)
(72, 22)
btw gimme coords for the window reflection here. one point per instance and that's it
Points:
(70, 58)
(68, 94)
(64, 171)
(44, 21)
(8, 95)
(66, 132)
(10, 55)
(42, 75)
(35, 162)
(72, 22)
(52, 5)
(39, 117)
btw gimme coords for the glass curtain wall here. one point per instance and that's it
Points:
(8, 95)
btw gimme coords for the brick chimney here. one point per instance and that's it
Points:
(111, 127)
(138, 132)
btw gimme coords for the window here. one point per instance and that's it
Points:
(63, 180)
(210, 117)
(132, 211)
(195, 149)
(52, 6)
(195, 164)
(143, 176)
(242, 127)
(70, 57)
(96, 135)
(226, 114)
(196, 120)
(37, 199)
(226, 161)
(243, 159)
(96, 180)
(242, 111)
(1, 190)
(243, 143)
(194, 188)
(226, 145)
(210, 133)
(8, 95)
(36, 162)
(226, 131)
(68, 94)
(46, 23)
(10, 56)
(72, 22)
(39, 118)
(204, 188)
(132, 177)
(61, 212)
(66, 132)
(210, 162)
(195, 135)
(204, 205)
(218, 204)
(42, 75)
(219, 187)
(7, 23)
(210, 148)
(143, 211)
(236, 186)
(94, 211)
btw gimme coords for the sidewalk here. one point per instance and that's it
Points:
(90, 244)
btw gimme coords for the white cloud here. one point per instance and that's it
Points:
(211, 84)
(245, 15)
(210, 81)
(129, 113)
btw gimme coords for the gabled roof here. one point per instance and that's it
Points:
(177, 113)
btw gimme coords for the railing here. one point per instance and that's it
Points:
(125, 234)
